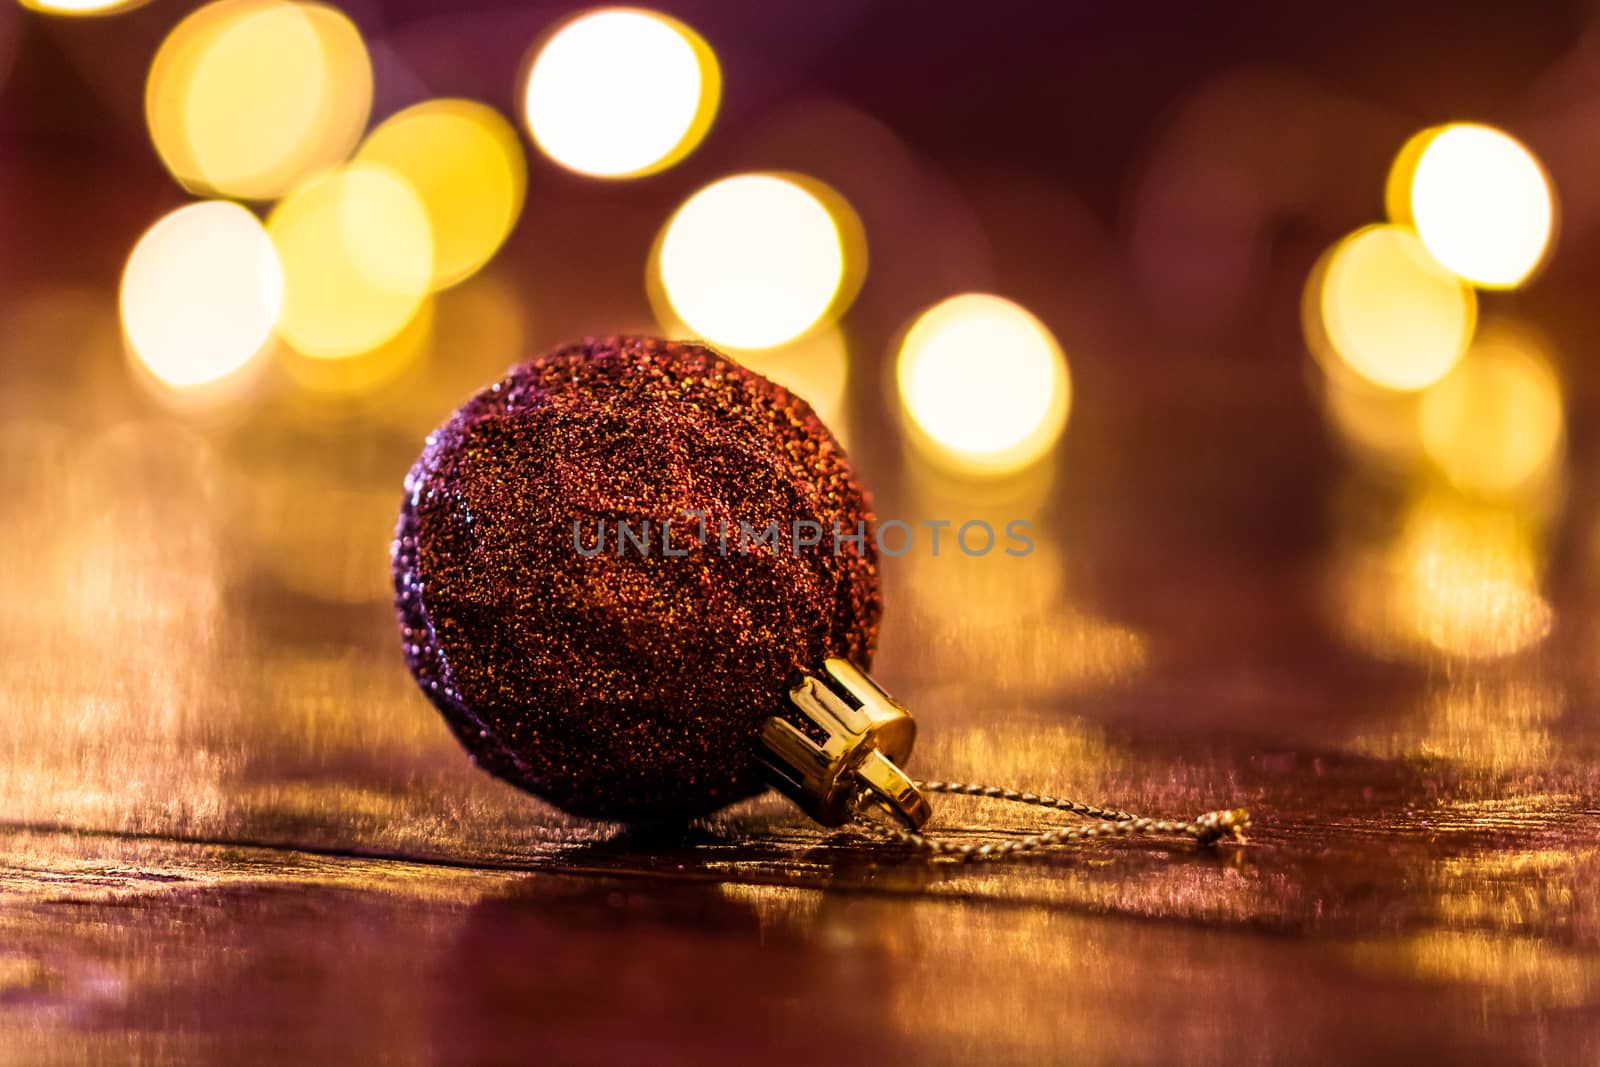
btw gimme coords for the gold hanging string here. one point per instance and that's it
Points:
(1206, 829)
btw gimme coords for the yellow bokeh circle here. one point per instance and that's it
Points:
(752, 261)
(621, 93)
(1495, 424)
(200, 293)
(247, 97)
(82, 7)
(983, 383)
(465, 164)
(357, 252)
(1479, 200)
(1378, 305)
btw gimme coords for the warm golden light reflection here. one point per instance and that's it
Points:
(366, 372)
(1500, 723)
(1456, 577)
(1379, 304)
(132, 569)
(1010, 620)
(1517, 887)
(247, 97)
(621, 93)
(36, 460)
(1515, 974)
(326, 542)
(165, 540)
(471, 332)
(943, 977)
(1379, 427)
(1495, 424)
(82, 7)
(200, 293)
(1002, 609)
(357, 253)
(1474, 583)
(1073, 750)
(993, 590)
(1025, 493)
(465, 163)
(754, 261)
(138, 532)
(984, 384)
(1479, 200)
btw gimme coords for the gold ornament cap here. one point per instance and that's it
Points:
(838, 753)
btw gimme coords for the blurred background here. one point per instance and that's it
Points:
(1273, 323)
(1274, 320)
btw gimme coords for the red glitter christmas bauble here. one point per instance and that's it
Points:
(626, 677)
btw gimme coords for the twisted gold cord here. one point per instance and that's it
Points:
(1206, 829)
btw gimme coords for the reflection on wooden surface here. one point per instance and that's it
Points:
(123, 949)
(231, 821)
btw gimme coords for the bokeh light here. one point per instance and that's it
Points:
(367, 372)
(1015, 621)
(357, 253)
(1494, 425)
(984, 383)
(475, 331)
(1447, 574)
(1378, 427)
(1499, 722)
(1469, 580)
(1378, 304)
(200, 293)
(621, 93)
(81, 7)
(757, 260)
(465, 163)
(1479, 200)
(1472, 579)
(247, 97)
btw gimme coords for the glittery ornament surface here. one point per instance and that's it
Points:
(614, 682)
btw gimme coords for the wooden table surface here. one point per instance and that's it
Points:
(232, 831)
